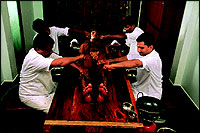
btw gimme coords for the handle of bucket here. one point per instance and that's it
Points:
(140, 93)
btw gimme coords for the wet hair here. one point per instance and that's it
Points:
(39, 25)
(42, 41)
(130, 20)
(147, 38)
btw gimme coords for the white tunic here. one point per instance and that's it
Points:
(132, 43)
(149, 77)
(36, 87)
(55, 32)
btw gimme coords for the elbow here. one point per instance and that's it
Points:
(58, 63)
(62, 64)
(135, 63)
(138, 63)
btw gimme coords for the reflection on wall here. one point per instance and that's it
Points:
(8, 60)
(185, 68)
(12, 47)
(14, 22)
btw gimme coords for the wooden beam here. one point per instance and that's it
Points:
(93, 123)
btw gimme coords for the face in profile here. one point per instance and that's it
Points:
(144, 49)
(129, 28)
(46, 52)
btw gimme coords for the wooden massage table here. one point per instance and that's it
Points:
(69, 111)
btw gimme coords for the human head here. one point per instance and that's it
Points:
(94, 34)
(145, 43)
(40, 25)
(130, 23)
(43, 44)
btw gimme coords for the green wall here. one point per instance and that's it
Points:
(10, 33)
(30, 11)
(8, 61)
(185, 68)
(14, 24)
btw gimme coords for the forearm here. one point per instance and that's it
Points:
(64, 61)
(123, 58)
(126, 64)
(114, 36)
(75, 31)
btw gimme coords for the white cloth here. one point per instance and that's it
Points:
(55, 32)
(149, 76)
(132, 43)
(36, 87)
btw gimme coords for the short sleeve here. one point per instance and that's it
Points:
(146, 63)
(41, 63)
(54, 56)
(60, 31)
(132, 56)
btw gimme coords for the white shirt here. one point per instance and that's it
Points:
(55, 32)
(132, 43)
(35, 76)
(149, 76)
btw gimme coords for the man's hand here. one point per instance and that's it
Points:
(102, 61)
(109, 67)
(81, 56)
(103, 36)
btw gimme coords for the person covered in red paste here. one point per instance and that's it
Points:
(94, 50)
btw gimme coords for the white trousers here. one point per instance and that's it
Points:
(38, 102)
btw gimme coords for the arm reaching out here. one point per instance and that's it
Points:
(120, 59)
(65, 60)
(124, 64)
(87, 34)
(113, 36)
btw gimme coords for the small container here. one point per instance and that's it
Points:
(128, 108)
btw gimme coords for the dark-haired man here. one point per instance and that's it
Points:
(149, 68)
(36, 87)
(40, 25)
(132, 33)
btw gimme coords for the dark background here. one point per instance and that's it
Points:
(161, 18)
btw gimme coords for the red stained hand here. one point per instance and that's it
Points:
(109, 67)
(102, 36)
(82, 56)
(101, 62)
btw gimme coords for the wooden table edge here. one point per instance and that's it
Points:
(93, 123)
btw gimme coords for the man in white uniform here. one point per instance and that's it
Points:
(132, 33)
(149, 68)
(36, 87)
(40, 25)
